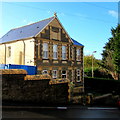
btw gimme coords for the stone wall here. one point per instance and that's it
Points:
(16, 89)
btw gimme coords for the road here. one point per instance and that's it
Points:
(60, 112)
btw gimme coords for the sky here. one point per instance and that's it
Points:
(89, 23)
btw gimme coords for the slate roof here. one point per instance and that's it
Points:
(29, 31)
(25, 31)
(76, 43)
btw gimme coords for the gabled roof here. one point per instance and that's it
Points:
(30, 31)
(25, 31)
(76, 43)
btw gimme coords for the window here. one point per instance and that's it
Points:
(55, 33)
(64, 75)
(9, 51)
(63, 52)
(78, 54)
(44, 72)
(54, 74)
(54, 51)
(55, 29)
(45, 50)
(78, 75)
(73, 56)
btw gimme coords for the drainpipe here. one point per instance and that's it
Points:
(24, 51)
(35, 51)
(5, 54)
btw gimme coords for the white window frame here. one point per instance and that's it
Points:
(78, 54)
(44, 72)
(55, 51)
(78, 75)
(64, 74)
(54, 74)
(63, 52)
(45, 50)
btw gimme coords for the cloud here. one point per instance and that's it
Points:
(30, 22)
(87, 52)
(80, 15)
(61, 14)
(24, 21)
(113, 13)
(50, 12)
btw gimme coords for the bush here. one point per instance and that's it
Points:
(102, 85)
(97, 73)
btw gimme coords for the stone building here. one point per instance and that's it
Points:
(47, 45)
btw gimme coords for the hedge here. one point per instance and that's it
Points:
(102, 85)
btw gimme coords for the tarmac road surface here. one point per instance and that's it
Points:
(59, 113)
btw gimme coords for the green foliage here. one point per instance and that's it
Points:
(88, 71)
(98, 71)
(72, 86)
(116, 54)
(88, 61)
(111, 54)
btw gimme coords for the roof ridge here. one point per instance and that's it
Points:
(32, 23)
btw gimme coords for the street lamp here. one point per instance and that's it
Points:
(92, 63)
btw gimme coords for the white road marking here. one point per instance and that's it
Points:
(101, 108)
(62, 108)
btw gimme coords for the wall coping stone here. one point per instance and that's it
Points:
(13, 71)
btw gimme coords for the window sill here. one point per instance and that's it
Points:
(45, 58)
(64, 59)
(55, 58)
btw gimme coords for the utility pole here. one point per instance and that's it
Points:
(92, 63)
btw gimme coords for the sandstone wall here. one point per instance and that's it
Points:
(16, 89)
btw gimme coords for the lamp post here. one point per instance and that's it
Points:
(92, 63)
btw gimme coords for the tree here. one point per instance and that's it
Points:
(88, 65)
(116, 54)
(88, 61)
(111, 54)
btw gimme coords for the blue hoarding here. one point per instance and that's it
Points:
(31, 70)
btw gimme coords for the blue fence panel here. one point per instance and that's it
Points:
(2, 66)
(31, 70)
(10, 66)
